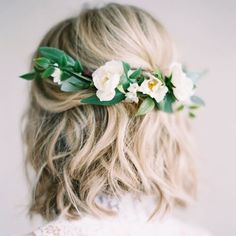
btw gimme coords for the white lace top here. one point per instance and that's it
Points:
(131, 221)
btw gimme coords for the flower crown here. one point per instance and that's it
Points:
(116, 81)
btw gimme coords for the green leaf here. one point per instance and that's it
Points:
(136, 74)
(95, 100)
(193, 107)
(168, 83)
(70, 71)
(78, 82)
(28, 76)
(70, 60)
(73, 84)
(147, 105)
(195, 76)
(42, 63)
(126, 67)
(56, 55)
(64, 61)
(120, 88)
(48, 72)
(124, 81)
(197, 100)
(192, 115)
(166, 104)
(141, 79)
(51, 53)
(68, 87)
(180, 108)
(158, 73)
(78, 66)
(82, 77)
(65, 75)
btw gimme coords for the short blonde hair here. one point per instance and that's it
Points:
(80, 151)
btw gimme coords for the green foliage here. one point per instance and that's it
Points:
(121, 88)
(168, 83)
(195, 76)
(81, 77)
(191, 115)
(157, 73)
(140, 79)
(146, 106)
(73, 84)
(28, 76)
(52, 58)
(166, 104)
(57, 56)
(124, 82)
(126, 67)
(78, 67)
(65, 75)
(95, 100)
(64, 61)
(193, 107)
(42, 63)
(49, 71)
(136, 74)
(197, 100)
(180, 108)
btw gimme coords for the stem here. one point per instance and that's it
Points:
(74, 74)
(81, 77)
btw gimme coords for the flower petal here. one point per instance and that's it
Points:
(105, 95)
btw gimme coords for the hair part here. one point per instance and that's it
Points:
(80, 151)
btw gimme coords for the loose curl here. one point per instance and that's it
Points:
(79, 151)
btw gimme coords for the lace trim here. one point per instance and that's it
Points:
(60, 227)
(49, 230)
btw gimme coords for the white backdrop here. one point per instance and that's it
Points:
(205, 32)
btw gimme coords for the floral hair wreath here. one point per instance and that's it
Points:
(115, 81)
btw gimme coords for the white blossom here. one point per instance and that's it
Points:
(183, 86)
(56, 75)
(106, 78)
(131, 96)
(153, 87)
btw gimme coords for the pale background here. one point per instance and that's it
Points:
(205, 32)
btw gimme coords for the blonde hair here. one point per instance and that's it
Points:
(80, 151)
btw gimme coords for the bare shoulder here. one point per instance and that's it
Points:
(29, 234)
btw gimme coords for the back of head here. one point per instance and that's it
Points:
(79, 151)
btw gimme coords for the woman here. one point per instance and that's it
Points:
(117, 165)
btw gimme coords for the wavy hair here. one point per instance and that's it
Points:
(79, 151)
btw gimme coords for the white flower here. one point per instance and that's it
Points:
(56, 75)
(133, 88)
(153, 87)
(184, 87)
(106, 78)
(131, 96)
